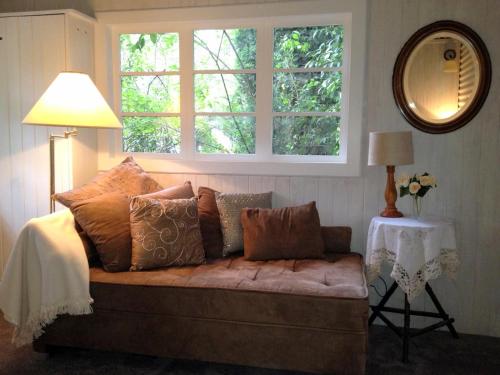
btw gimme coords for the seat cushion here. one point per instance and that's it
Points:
(315, 293)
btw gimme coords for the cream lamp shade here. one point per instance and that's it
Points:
(72, 100)
(390, 148)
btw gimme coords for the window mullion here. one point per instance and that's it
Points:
(187, 93)
(264, 92)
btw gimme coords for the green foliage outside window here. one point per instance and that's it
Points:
(233, 95)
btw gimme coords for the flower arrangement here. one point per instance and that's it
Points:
(416, 186)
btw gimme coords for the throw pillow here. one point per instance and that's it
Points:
(127, 177)
(282, 233)
(165, 232)
(209, 222)
(184, 191)
(105, 219)
(230, 206)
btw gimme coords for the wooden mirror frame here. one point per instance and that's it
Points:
(484, 77)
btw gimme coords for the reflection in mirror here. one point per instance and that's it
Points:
(447, 62)
(441, 77)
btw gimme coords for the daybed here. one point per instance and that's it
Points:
(306, 315)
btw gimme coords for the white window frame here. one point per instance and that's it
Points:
(263, 162)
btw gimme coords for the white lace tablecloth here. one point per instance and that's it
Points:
(419, 250)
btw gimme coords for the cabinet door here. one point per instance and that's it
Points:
(32, 53)
(80, 58)
(5, 163)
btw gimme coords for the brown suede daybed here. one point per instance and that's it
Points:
(307, 315)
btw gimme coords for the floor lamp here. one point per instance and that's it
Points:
(73, 101)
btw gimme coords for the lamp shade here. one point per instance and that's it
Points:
(72, 99)
(390, 148)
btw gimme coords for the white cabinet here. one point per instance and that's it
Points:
(34, 48)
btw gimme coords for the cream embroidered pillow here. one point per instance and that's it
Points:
(165, 232)
(230, 206)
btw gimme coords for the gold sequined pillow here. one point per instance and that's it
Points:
(165, 232)
(230, 206)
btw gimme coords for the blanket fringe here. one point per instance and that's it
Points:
(34, 328)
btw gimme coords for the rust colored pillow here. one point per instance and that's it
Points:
(209, 222)
(127, 177)
(282, 233)
(165, 232)
(184, 191)
(105, 219)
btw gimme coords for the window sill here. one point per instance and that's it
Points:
(158, 164)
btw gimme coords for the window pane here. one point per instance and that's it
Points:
(149, 52)
(151, 134)
(150, 93)
(225, 134)
(224, 92)
(307, 92)
(306, 135)
(224, 49)
(317, 46)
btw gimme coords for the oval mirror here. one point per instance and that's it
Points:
(441, 77)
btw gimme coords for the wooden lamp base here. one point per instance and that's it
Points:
(390, 195)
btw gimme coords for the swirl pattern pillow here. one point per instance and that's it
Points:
(165, 232)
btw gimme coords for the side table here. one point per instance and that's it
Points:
(419, 250)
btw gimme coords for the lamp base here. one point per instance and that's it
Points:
(391, 212)
(390, 195)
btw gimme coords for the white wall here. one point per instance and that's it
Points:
(466, 163)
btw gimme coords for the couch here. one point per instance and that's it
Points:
(306, 315)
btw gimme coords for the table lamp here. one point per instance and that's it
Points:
(390, 149)
(71, 100)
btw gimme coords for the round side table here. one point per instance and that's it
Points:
(419, 250)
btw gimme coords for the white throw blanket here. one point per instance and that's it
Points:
(47, 274)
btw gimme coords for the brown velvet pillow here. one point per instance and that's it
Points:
(127, 178)
(209, 222)
(184, 191)
(282, 233)
(89, 247)
(105, 219)
(165, 232)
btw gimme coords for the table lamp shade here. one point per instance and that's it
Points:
(390, 148)
(72, 100)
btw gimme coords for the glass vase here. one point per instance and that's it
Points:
(417, 206)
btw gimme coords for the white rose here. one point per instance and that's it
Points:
(403, 180)
(414, 187)
(426, 180)
(433, 181)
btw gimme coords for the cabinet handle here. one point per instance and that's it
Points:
(1, 38)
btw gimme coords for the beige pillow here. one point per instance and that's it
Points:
(230, 206)
(127, 178)
(165, 232)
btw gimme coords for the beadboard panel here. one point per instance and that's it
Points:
(27, 68)
(32, 53)
(466, 163)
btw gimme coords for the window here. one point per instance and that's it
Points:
(150, 92)
(224, 91)
(307, 90)
(271, 90)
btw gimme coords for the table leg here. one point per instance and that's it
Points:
(444, 316)
(406, 330)
(382, 303)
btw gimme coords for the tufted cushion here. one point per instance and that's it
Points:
(316, 293)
